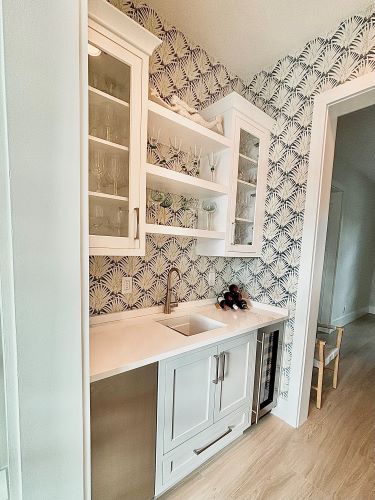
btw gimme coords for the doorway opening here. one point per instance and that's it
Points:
(329, 106)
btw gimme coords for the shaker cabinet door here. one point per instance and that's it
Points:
(189, 396)
(236, 377)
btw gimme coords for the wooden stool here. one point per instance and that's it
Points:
(324, 355)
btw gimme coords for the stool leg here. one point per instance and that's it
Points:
(336, 371)
(320, 386)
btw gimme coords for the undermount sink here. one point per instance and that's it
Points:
(191, 324)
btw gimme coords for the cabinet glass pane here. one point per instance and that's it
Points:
(108, 217)
(109, 143)
(246, 188)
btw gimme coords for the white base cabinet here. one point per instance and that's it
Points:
(204, 401)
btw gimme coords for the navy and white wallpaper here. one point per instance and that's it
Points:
(286, 92)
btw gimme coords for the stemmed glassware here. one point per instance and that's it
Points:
(154, 138)
(166, 203)
(117, 220)
(114, 173)
(196, 158)
(97, 168)
(175, 147)
(210, 207)
(213, 161)
(97, 220)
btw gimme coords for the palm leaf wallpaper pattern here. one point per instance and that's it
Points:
(286, 92)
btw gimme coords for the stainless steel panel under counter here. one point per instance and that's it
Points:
(123, 435)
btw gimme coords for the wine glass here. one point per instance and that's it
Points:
(97, 168)
(154, 138)
(108, 122)
(97, 219)
(114, 173)
(196, 158)
(117, 220)
(175, 147)
(210, 207)
(213, 161)
(156, 198)
(166, 203)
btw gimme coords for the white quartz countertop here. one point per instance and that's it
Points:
(119, 346)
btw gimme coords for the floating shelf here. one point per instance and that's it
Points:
(251, 160)
(107, 196)
(184, 231)
(247, 183)
(97, 97)
(107, 143)
(192, 134)
(164, 179)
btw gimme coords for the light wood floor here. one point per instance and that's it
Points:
(331, 456)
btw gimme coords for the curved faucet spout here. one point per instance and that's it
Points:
(168, 305)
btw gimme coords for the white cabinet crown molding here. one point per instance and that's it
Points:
(119, 23)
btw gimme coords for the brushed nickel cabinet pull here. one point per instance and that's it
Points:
(136, 232)
(222, 363)
(198, 451)
(216, 379)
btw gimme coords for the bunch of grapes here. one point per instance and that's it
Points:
(232, 299)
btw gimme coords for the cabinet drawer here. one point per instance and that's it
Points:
(188, 456)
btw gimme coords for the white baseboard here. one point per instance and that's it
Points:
(282, 411)
(352, 316)
(371, 309)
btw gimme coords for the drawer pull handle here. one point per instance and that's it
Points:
(216, 379)
(198, 451)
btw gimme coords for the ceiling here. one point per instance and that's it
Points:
(355, 141)
(250, 35)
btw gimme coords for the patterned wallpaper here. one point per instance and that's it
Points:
(286, 92)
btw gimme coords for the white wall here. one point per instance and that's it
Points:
(356, 255)
(41, 47)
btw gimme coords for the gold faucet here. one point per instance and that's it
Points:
(168, 305)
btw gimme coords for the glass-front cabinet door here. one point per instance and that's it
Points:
(247, 210)
(114, 146)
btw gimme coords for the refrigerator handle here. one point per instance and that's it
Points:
(259, 376)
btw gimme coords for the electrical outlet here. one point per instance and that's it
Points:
(211, 278)
(127, 285)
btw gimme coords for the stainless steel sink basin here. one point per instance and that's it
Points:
(191, 324)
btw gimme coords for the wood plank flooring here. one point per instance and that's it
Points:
(331, 456)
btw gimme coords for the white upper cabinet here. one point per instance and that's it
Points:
(118, 60)
(249, 130)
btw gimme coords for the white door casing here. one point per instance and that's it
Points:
(346, 98)
(330, 257)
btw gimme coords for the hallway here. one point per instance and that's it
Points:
(332, 456)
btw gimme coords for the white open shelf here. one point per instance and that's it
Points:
(192, 134)
(184, 231)
(251, 160)
(96, 194)
(98, 96)
(169, 181)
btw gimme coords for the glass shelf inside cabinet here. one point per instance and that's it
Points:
(109, 96)
(248, 155)
(109, 132)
